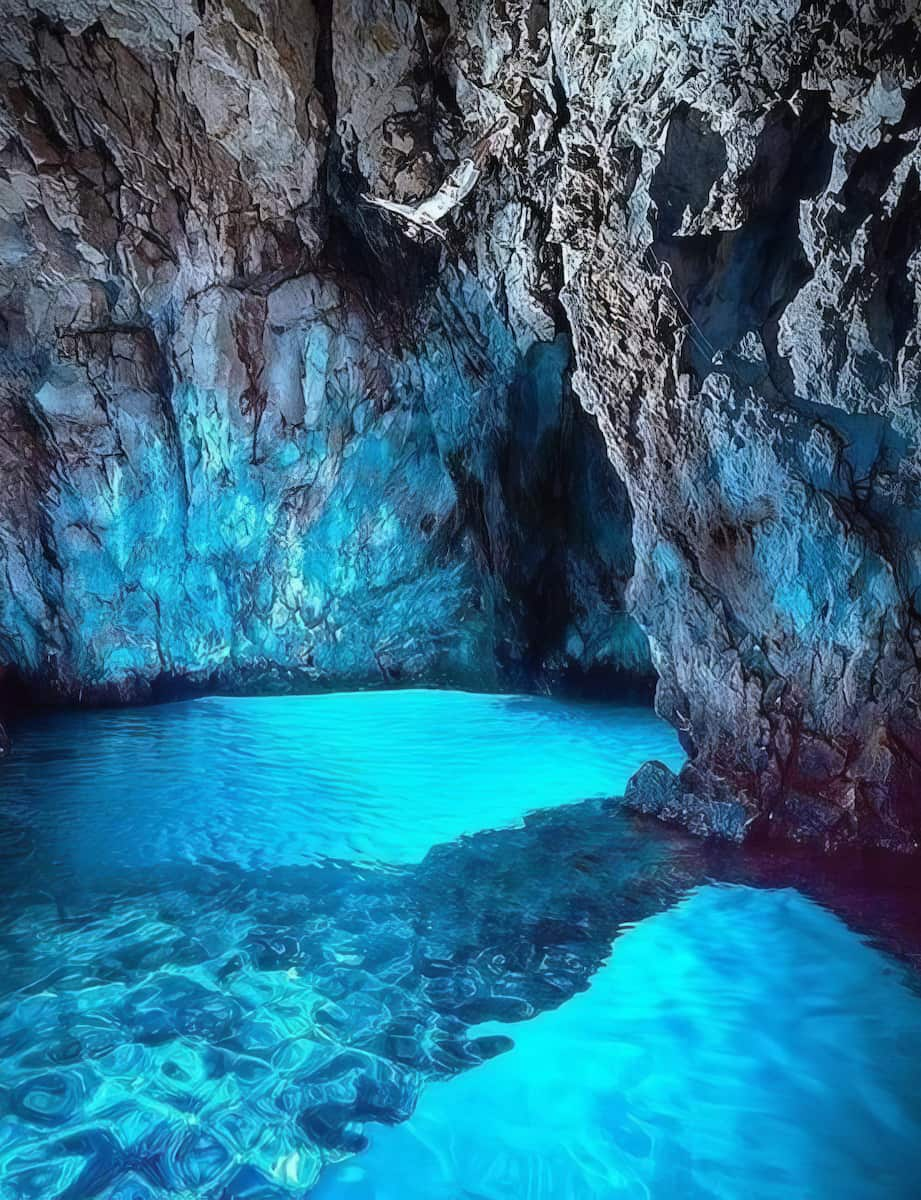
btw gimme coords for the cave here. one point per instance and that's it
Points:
(460, 647)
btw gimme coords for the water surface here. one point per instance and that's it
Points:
(263, 782)
(404, 946)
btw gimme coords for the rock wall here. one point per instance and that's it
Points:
(252, 436)
(721, 203)
(254, 431)
(747, 333)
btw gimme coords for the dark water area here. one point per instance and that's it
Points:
(405, 945)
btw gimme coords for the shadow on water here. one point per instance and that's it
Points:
(209, 1030)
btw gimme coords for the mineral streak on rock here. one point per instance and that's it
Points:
(253, 433)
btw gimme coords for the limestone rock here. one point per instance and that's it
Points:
(745, 318)
(251, 438)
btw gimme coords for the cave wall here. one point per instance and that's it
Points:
(253, 437)
(364, 449)
(720, 203)
(745, 310)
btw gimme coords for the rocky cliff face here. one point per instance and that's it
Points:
(253, 431)
(758, 248)
(249, 441)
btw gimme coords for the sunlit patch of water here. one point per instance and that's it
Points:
(241, 939)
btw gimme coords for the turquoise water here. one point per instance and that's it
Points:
(739, 1045)
(367, 777)
(402, 945)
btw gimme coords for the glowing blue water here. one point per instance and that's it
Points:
(743, 1044)
(266, 782)
(251, 949)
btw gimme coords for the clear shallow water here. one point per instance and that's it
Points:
(270, 948)
(261, 782)
(740, 1044)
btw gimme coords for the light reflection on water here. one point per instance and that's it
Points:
(241, 939)
(261, 782)
(742, 1044)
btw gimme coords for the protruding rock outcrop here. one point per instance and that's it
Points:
(746, 320)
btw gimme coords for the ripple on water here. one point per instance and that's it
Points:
(742, 1043)
(374, 776)
(242, 939)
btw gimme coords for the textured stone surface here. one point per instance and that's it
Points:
(719, 204)
(248, 441)
(746, 322)
(658, 792)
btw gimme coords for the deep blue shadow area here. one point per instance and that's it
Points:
(362, 947)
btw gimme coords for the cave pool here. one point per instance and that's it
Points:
(405, 946)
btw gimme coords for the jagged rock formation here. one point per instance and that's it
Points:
(365, 440)
(758, 254)
(734, 202)
(246, 443)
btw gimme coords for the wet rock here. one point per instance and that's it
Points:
(653, 789)
(657, 791)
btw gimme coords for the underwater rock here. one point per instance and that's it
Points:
(327, 997)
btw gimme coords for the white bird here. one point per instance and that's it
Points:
(425, 215)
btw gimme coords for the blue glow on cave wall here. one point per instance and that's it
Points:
(394, 894)
(285, 495)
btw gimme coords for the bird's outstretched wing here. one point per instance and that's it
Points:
(402, 210)
(454, 191)
(413, 215)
